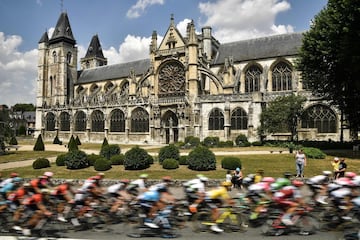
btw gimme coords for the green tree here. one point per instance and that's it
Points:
(330, 55)
(282, 115)
(72, 146)
(39, 145)
(23, 107)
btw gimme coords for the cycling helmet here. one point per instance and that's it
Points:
(17, 179)
(237, 169)
(297, 183)
(356, 181)
(125, 180)
(275, 186)
(283, 181)
(167, 179)
(350, 175)
(226, 184)
(344, 181)
(14, 174)
(193, 208)
(268, 179)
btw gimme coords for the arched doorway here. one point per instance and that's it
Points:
(169, 123)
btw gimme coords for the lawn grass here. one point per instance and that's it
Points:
(13, 156)
(273, 164)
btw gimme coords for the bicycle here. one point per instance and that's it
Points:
(304, 224)
(230, 220)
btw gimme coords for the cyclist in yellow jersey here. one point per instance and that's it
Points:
(218, 196)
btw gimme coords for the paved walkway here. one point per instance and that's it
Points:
(62, 148)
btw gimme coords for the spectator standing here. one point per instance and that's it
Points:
(228, 176)
(300, 162)
(342, 168)
(335, 164)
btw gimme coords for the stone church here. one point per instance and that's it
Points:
(190, 85)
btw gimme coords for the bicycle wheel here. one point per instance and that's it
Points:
(201, 221)
(307, 225)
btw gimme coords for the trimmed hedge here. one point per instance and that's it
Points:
(92, 158)
(201, 159)
(314, 153)
(102, 164)
(117, 159)
(108, 151)
(192, 142)
(136, 159)
(72, 146)
(41, 163)
(76, 160)
(183, 160)
(170, 163)
(60, 160)
(211, 142)
(39, 145)
(230, 163)
(169, 151)
(13, 141)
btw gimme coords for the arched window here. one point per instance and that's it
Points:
(68, 57)
(54, 57)
(117, 121)
(216, 120)
(320, 117)
(239, 119)
(139, 120)
(281, 77)
(252, 79)
(80, 121)
(50, 122)
(64, 121)
(97, 121)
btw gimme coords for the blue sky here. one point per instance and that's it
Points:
(125, 27)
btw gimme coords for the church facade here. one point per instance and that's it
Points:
(190, 85)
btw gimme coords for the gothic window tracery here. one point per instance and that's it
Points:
(117, 121)
(50, 122)
(80, 121)
(139, 120)
(282, 77)
(320, 117)
(252, 79)
(172, 80)
(239, 119)
(97, 121)
(64, 121)
(216, 120)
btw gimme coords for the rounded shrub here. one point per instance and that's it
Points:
(183, 160)
(201, 159)
(170, 163)
(230, 163)
(169, 151)
(13, 141)
(150, 159)
(314, 153)
(102, 164)
(242, 141)
(225, 144)
(60, 160)
(211, 142)
(41, 163)
(117, 159)
(76, 160)
(136, 159)
(92, 158)
(39, 145)
(110, 150)
(192, 141)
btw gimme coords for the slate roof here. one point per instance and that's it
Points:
(260, 48)
(44, 38)
(94, 49)
(62, 31)
(114, 71)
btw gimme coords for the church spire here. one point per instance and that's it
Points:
(94, 49)
(63, 30)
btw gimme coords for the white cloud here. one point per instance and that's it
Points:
(234, 20)
(18, 72)
(139, 8)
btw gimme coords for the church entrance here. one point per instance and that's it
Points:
(169, 122)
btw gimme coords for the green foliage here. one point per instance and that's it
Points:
(77, 140)
(102, 164)
(41, 163)
(257, 143)
(72, 146)
(314, 153)
(192, 142)
(92, 158)
(23, 107)
(105, 143)
(211, 142)
(225, 144)
(13, 141)
(241, 140)
(201, 159)
(117, 159)
(169, 151)
(60, 160)
(231, 163)
(170, 163)
(39, 145)
(22, 130)
(2, 146)
(183, 160)
(136, 159)
(56, 140)
(150, 159)
(76, 160)
(108, 151)
(329, 58)
(282, 115)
